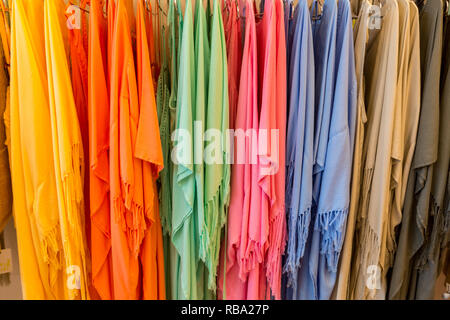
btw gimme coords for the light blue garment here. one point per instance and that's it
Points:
(299, 146)
(334, 150)
(324, 38)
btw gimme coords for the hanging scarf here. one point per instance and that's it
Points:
(148, 149)
(217, 173)
(238, 282)
(299, 151)
(184, 236)
(78, 56)
(381, 77)
(128, 215)
(98, 113)
(411, 256)
(67, 148)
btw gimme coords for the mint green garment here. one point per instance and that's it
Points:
(184, 232)
(217, 168)
(202, 59)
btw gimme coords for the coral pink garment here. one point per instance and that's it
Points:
(273, 117)
(241, 280)
(257, 222)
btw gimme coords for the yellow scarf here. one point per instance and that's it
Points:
(46, 155)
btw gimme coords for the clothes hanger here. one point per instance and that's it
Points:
(162, 10)
(316, 15)
(79, 7)
(257, 15)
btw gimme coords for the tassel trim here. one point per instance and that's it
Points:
(298, 227)
(277, 241)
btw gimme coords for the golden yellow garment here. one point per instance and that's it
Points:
(67, 146)
(46, 155)
(32, 171)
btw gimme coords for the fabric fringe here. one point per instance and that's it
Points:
(210, 236)
(331, 225)
(253, 256)
(298, 227)
(52, 253)
(132, 221)
(73, 197)
(277, 241)
(370, 249)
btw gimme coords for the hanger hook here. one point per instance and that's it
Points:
(161, 9)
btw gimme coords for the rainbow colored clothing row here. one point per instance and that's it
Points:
(228, 149)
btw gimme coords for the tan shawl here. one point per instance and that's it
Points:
(381, 76)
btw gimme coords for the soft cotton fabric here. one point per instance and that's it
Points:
(98, 115)
(34, 189)
(299, 149)
(184, 235)
(324, 40)
(334, 195)
(202, 67)
(273, 167)
(410, 255)
(436, 242)
(373, 221)
(126, 212)
(67, 149)
(339, 110)
(78, 55)
(47, 177)
(217, 149)
(149, 151)
(235, 280)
